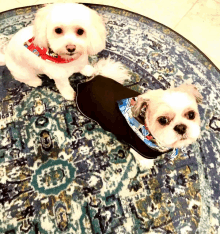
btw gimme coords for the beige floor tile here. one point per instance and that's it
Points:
(26, 2)
(201, 26)
(168, 12)
(74, 1)
(122, 6)
(105, 2)
(7, 5)
(10, 4)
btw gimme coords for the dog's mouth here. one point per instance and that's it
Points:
(180, 141)
(71, 54)
(184, 137)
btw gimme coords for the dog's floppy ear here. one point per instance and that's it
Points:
(145, 100)
(140, 103)
(192, 90)
(40, 26)
(96, 34)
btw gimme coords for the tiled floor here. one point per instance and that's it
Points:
(196, 20)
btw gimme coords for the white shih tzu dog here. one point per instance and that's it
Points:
(58, 44)
(172, 115)
(152, 123)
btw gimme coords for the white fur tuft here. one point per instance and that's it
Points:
(112, 69)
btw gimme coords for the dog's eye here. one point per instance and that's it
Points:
(58, 30)
(163, 120)
(190, 115)
(80, 31)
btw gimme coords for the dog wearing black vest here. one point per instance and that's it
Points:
(170, 117)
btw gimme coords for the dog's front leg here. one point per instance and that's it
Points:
(65, 89)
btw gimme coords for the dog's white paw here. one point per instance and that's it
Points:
(88, 70)
(144, 163)
(65, 88)
(34, 83)
(69, 95)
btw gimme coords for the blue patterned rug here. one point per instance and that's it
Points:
(62, 173)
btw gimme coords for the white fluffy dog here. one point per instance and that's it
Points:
(171, 115)
(58, 44)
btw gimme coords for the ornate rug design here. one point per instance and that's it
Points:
(60, 172)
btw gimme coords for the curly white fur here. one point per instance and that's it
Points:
(69, 17)
(111, 69)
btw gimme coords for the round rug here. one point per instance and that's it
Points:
(62, 173)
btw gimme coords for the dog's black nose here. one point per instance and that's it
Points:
(71, 48)
(181, 129)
